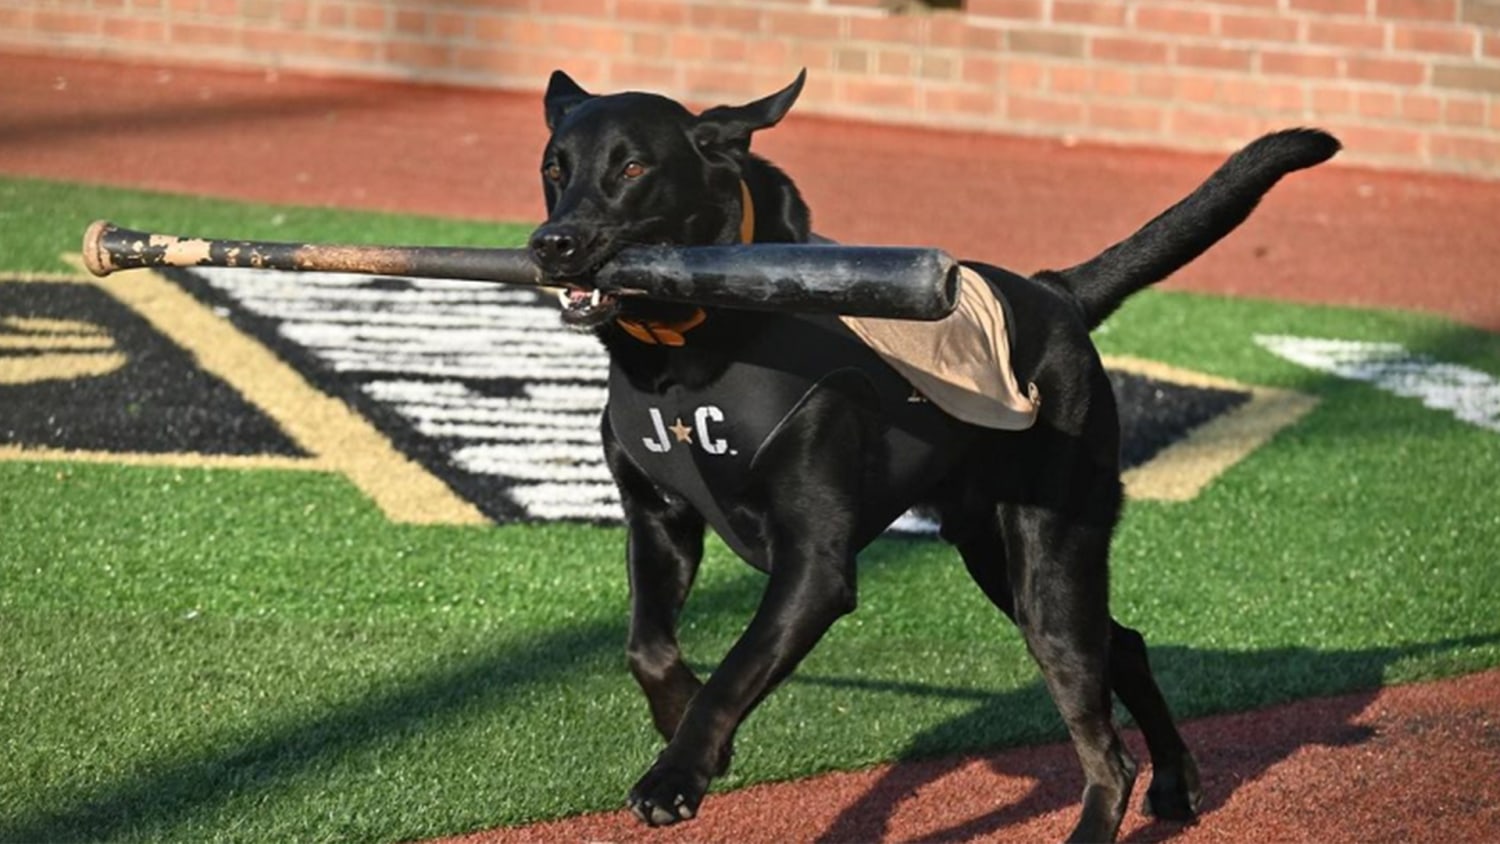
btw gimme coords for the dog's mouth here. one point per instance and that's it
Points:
(586, 308)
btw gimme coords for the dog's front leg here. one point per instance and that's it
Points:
(808, 479)
(664, 548)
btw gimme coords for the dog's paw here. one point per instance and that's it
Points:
(1174, 795)
(667, 795)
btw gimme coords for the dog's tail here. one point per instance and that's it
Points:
(1187, 229)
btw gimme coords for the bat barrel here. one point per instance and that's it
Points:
(864, 281)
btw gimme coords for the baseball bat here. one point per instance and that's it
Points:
(863, 281)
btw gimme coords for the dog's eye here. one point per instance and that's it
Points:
(633, 170)
(553, 172)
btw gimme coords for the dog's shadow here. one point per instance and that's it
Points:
(1228, 757)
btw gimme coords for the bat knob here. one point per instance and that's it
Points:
(95, 256)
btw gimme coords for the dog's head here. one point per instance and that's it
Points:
(633, 169)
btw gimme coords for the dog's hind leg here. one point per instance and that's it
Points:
(1174, 793)
(663, 550)
(1057, 574)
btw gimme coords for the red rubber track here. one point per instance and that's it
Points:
(1412, 764)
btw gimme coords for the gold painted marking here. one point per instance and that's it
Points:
(32, 369)
(175, 460)
(341, 440)
(54, 350)
(1181, 470)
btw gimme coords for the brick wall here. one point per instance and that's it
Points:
(1406, 83)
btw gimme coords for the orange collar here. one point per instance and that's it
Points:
(652, 332)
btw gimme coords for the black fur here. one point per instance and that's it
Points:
(1030, 512)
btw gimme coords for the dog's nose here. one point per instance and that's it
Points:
(551, 245)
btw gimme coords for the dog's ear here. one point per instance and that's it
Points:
(563, 95)
(729, 127)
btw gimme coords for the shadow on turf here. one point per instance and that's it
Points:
(1219, 680)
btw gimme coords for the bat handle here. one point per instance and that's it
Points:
(95, 257)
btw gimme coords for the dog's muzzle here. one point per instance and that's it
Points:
(560, 250)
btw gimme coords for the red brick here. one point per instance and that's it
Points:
(198, 34)
(344, 49)
(851, 59)
(1492, 45)
(1174, 20)
(556, 8)
(960, 101)
(1467, 153)
(1268, 5)
(880, 94)
(633, 74)
(1156, 85)
(1336, 100)
(1481, 12)
(369, 18)
(450, 25)
(982, 70)
(1347, 33)
(1195, 88)
(1421, 108)
(894, 62)
(1091, 12)
(1299, 64)
(812, 56)
(1045, 42)
(409, 22)
(1331, 7)
(1259, 27)
(1126, 117)
(1051, 112)
(723, 48)
(1431, 39)
(1011, 9)
(1218, 58)
(418, 54)
(1215, 125)
(768, 52)
(1495, 115)
(955, 31)
(935, 66)
(1383, 142)
(1111, 82)
(1023, 75)
(802, 24)
(687, 45)
(1426, 10)
(330, 15)
(1380, 105)
(653, 12)
(1398, 71)
(1126, 49)
(1464, 111)
(1069, 79)
(741, 19)
(1260, 96)
(76, 23)
(897, 29)
(132, 28)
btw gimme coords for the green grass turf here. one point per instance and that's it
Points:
(236, 655)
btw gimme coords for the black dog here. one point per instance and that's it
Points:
(795, 442)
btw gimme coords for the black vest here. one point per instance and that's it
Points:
(701, 444)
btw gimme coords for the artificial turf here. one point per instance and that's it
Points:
(194, 654)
